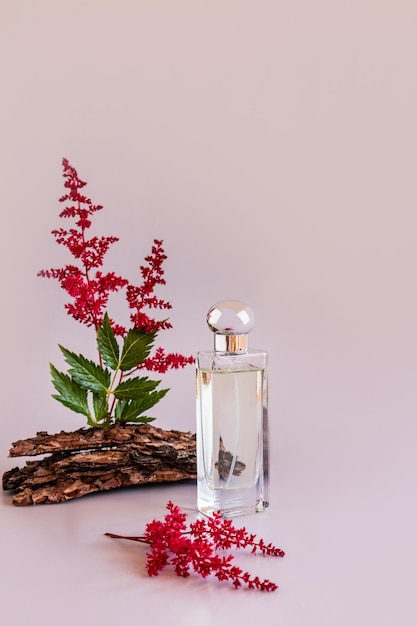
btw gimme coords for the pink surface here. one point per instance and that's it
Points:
(273, 148)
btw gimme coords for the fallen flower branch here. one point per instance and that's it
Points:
(171, 543)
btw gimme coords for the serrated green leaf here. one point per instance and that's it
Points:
(136, 348)
(86, 373)
(151, 399)
(107, 344)
(134, 408)
(100, 406)
(118, 411)
(135, 388)
(70, 393)
(142, 419)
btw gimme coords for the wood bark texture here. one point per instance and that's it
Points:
(92, 459)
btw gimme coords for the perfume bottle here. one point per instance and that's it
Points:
(232, 416)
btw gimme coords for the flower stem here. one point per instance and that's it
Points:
(138, 539)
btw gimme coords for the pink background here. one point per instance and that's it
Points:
(272, 146)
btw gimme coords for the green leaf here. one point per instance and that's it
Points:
(118, 411)
(135, 388)
(100, 405)
(134, 408)
(142, 419)
(70, 393)
(86, 373)
(107, 344)
(136, 348)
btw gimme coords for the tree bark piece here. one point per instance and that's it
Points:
(91, 459)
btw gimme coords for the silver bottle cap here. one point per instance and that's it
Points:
(231, 321)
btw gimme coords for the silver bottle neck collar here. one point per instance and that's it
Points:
(232, 344)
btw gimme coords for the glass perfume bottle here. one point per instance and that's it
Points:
(232, 416)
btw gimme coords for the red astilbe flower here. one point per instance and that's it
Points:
(162, 361)
(142, 297)
(195, 548)
(90, 290)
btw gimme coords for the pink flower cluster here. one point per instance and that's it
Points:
(90, 288)
(173, 543)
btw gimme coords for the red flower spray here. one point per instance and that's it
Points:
(196, 548)
(108, 391)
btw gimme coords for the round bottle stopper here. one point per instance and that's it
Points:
(231, 321)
